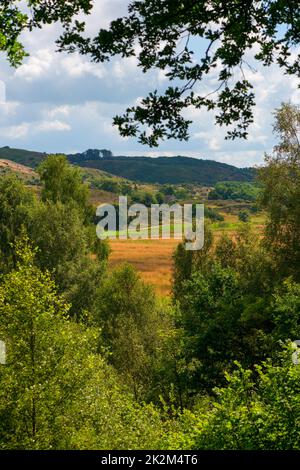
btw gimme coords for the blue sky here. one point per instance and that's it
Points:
(63, 103)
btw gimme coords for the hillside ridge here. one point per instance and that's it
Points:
(163, 170)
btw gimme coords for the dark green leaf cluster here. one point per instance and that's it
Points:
(167, 35)
(189, 40)
(235, 190)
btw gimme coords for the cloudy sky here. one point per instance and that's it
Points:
(63, 103)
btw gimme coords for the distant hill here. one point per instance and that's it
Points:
(23, 157)
(164, 170)
(24, 172)
(91, 154)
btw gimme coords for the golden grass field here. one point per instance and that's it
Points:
(153, 258)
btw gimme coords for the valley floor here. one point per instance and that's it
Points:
(153, 258)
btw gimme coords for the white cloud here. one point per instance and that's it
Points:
(239, 158)
(27, 129)
(15, 132)
(161, 76)
(36, 66)
(2, 92)
(211, 139)
(9, 108)
(77, 67)
(50, 126)
(63, 110)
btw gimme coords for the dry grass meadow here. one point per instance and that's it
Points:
(151, 258)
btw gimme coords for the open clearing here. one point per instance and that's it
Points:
(153, 258)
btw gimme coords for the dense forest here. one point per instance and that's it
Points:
(174, 171)
(162, 170)
(96, 360)
(235, 190)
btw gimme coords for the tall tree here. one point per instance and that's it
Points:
(62, 182)
(16, 201)
(256, 411)
(56, 390)
(281, 191)
(65, 247)
(133, 326)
